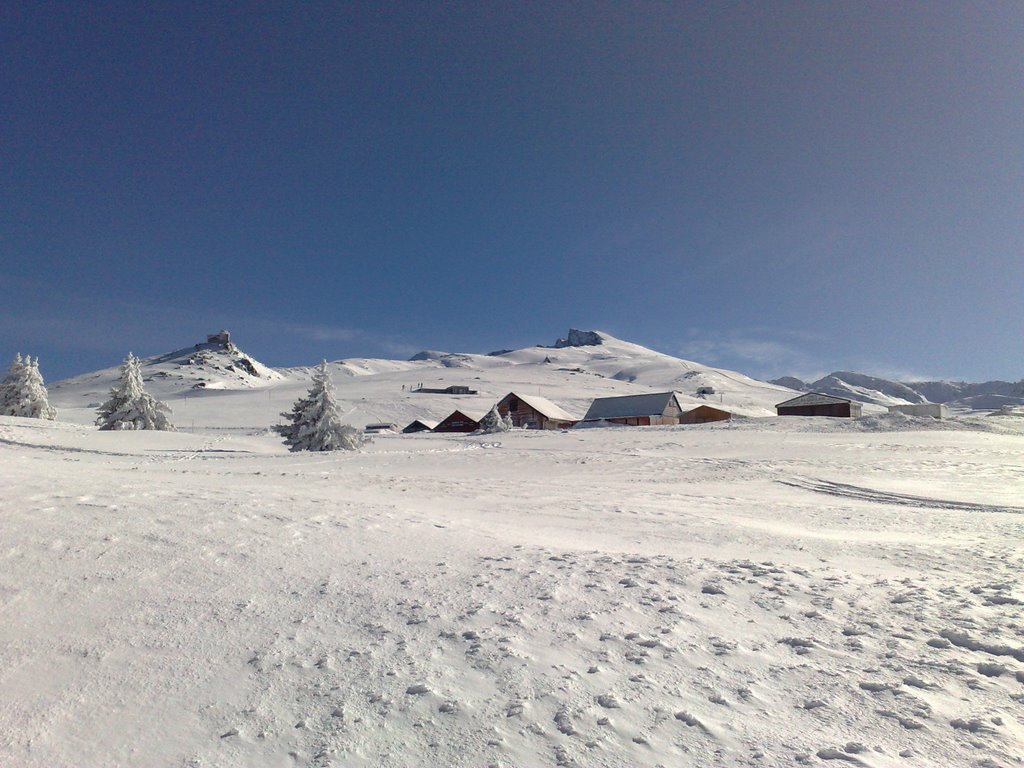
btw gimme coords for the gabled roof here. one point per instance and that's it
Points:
(708, 408)
(630, 406)
(814, 398)
(471, 413)
(543, 406)
(428, 423)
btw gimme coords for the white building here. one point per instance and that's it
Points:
(935, 410)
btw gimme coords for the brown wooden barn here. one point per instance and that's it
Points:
(534, 412)
(459, 421)
(818, 404)
(636, 410)
(703, 414)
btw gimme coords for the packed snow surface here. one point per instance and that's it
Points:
(766, 592)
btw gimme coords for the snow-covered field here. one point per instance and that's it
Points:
(762, 593)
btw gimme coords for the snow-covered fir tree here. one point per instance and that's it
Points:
(494, 422)
(130, 406)
(11, 384)
(22, 392)
(314, 423)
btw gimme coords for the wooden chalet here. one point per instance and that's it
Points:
(636, 410)
(459, 421)
(419, 425)
(703, 414)
(534, 412)
(819, 404)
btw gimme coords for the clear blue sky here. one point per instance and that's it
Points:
(771, 187)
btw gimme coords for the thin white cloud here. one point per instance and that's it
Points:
(755, 352)
(315, 332)
(770, 354)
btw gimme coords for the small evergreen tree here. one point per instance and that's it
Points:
(314, 423)
(11, 385)
(130, 406)
(494, 422)
(23, 393)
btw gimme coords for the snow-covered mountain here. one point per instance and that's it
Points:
(214, 364)
(215, 384)
(990, 395)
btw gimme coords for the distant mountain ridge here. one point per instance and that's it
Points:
(214, 384)
(961, 395)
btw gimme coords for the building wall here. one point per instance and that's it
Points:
(935, 410)
(839, 410)
(635, 421)
(460, 423)
(523, 416)
(527, 417)
(671, 413)
(703, 414)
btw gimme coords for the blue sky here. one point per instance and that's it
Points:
(778, 188)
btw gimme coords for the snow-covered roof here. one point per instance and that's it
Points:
(630, 406)
(544, 406)
(469, 413)
(814, 398)
(708, 408)
(428, 423)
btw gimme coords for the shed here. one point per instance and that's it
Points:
(703, 391)
(934, 410)
(459, 421)
(702, 414)
(376, 429)
(419, 425)
(534, 412)
(818, 404)
(636, 410)
(454, 389)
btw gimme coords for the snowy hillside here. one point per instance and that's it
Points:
(989, 395)
(213, 386)
(207, 365)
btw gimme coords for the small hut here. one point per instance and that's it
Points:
(934, 410)
(419, 425)
(534, 412)
(460, 421)
(703, 414)
(379, 427)
(454, 389)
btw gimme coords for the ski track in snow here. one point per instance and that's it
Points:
(846, 491)
(621, 597)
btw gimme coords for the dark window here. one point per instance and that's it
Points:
(513, 404)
